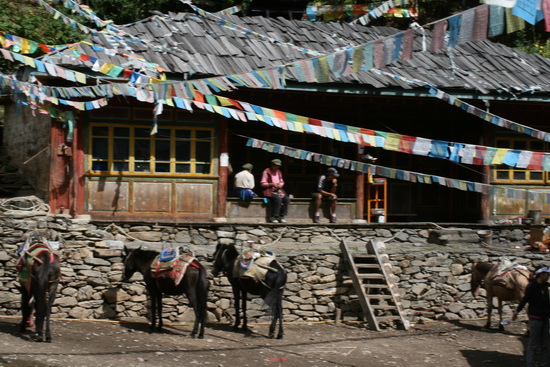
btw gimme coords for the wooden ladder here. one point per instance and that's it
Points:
(378, 297)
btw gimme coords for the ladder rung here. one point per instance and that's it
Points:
(367, 266)
(371, 276)
(380, 296)
(384, 307)
(388, 318)
(375, 286)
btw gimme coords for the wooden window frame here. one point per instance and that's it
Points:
(152, 141)
(511, 143)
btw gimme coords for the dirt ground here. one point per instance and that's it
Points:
(96, 343)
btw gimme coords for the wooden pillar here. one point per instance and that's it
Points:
(360, 195)
(223, 171)
(78, 166)
(59, 178)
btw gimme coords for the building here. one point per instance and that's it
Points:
(242, 76)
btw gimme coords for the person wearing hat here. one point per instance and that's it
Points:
(272, 182)
(538, 312)
(244, 183)
(326, 190)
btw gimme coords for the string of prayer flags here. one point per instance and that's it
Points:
(85, 11)
(229, 11)
(392, 173)
(247, 31)
(67, 20)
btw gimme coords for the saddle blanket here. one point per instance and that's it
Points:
(253, 265)
(505, 278)
(173, 269)
(26, 262)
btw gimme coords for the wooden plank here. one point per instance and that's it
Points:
(365, 306)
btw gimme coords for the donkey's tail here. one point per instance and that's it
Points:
(274, 297)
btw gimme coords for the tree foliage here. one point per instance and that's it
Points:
(26, 19)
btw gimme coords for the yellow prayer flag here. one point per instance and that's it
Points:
(29, 61)
(25, 46)
(224, 101)
(302, 119)
(392, 142)
(299, 127)
(54, 100)
(105, 68)
(170, 102)
(80, 77)
(499, 156)
(217, 109)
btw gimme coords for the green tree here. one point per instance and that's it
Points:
(27, 19)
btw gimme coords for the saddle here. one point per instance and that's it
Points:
(169, 264)
(505, 278)
(253, 264)
(26, 261)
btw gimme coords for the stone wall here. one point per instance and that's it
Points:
(433, 278)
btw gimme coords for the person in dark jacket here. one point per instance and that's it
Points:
(538, 311)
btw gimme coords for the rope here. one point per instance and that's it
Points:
(23, 204)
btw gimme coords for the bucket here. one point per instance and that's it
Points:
(486, 236)
(535, 215)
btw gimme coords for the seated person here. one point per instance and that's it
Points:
(326, 190)
(244, 183)
(272, 182)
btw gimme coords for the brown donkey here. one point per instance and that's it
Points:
(508, 285)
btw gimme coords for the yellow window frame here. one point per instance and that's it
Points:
(110, 161)
(504, 174)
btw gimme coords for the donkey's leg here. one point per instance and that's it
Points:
(245, 319)
(159, 310)
(40, 311)
(153, 297)
(237, 298)
(489, 310)
(51, 298)
(500, 326)
(192, 298)
(280, 315)
(25, 309)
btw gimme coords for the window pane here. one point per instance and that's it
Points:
(100, 148)
(162, 167)
(100, 131)
(142, 150)
(142, 132)
(162, 150)
(203, 168)
(99, 166)
(120, 166)
(183, 168)
(204, 134)
(121, 149)
(183, 134)
(519, 175)
(535, 176)
(503, 175)
(164, 133)
(142, 167)
(537, 145)
(520, 144)
(121, 132)
(203, 152)
(183, 151)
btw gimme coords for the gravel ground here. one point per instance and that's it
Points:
(96, 343)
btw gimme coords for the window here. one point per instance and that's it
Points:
(507, 174)
(124, 149)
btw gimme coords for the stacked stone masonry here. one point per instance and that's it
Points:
(432, 279)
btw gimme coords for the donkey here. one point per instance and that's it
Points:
(271, 289)
(194, 285)
(39, 274)
(509, 286)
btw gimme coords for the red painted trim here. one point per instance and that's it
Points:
(78, 164)
(223, 171)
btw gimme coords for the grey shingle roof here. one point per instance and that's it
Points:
(189, 43)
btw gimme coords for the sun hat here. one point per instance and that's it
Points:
(276, 162)
(332, 172)
(544, 269)
(247, 166)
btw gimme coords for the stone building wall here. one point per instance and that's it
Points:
(433, 278)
